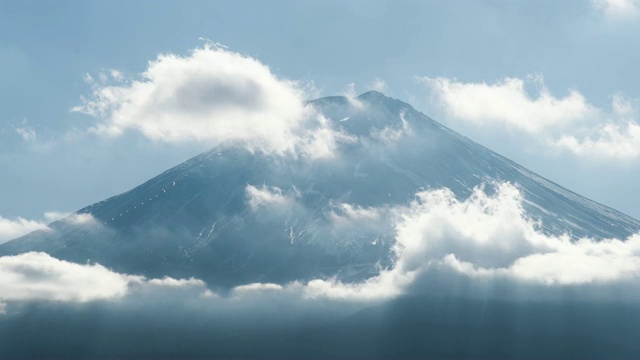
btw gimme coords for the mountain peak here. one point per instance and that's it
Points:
(373, 94)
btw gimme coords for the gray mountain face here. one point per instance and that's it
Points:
(196, 219)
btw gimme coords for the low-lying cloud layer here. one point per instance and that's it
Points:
(483, 237)
(37, 276)
(486, 237)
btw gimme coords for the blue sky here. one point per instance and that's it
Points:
(552, 85)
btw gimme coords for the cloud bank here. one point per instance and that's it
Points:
(488, 236)
(37, 276)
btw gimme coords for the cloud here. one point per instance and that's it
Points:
(570, 123)
(378, 85)
(51, 216)
(36, 276)
(211, 95)
(486, 236)
(352, 97)
(618, 9)
(26, 132)
(609, 141)
(257, 287)
(267, 196)
(349, 214)
(11, 229)
(507, 102)
(392, 135)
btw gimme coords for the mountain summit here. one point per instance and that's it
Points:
(233, 216)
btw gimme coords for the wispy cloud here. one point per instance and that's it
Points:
(569, 123)
(14, 228)
(618, 9)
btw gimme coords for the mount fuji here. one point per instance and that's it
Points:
(206, 218)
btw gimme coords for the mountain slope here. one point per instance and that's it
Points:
(198, 219)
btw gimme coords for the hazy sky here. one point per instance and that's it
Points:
(550, 84)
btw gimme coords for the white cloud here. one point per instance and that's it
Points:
(570, 123)
(492, 236)
(347, 214)
(610, 141)
(378, 85)
(257, 287)
(323, 142)
(51, 216)
(171, 282)
(27, 133)
(11, 229)
(507, 102)
(210, 95)
(484, 236)
(267, 196)
(14, 228)
(68, 217)
(38, 276)
(392, 135)
(351, 95)
(618, 9)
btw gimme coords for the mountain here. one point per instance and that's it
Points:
(197, 219)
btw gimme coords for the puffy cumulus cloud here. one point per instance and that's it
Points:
(618, 9)
(211, 95)
(37, 276)
(507, 102)
(11, 229)
(491, 236)
(487, 236)
(267, 196)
